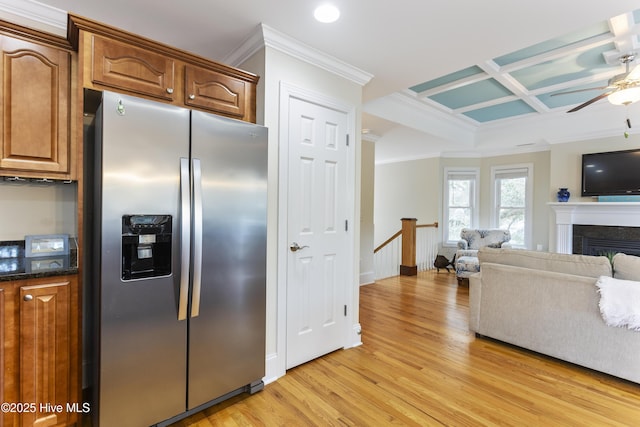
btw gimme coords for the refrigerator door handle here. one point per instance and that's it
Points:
(185, 240)
(197, 238)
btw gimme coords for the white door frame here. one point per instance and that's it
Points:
(287, 91)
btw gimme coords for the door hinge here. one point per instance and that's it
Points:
(345, 310)
(347, 140)
(346, 225)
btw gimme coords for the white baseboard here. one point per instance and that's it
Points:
(274, 368)
(367, 277)
(355, 339)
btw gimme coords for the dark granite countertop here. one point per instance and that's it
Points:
(15, 266)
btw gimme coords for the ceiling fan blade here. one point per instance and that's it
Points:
(634, 74)
(591, 101)
(579, 90)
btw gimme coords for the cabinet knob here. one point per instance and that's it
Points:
(192, 96)
(169, 90)
(28, 297)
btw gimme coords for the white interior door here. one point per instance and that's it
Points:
(317, 277)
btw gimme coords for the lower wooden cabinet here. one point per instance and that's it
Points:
(39, 354)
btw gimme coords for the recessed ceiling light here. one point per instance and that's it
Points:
(326, 13)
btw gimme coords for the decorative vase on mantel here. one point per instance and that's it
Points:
(563, 195)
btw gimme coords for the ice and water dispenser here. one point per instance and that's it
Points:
(146, 246)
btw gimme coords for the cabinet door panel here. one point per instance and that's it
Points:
(45, 351)
(7, 371)
(133, 69)
(215, 91)
(35, 107)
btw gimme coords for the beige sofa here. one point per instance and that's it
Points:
(548, 303)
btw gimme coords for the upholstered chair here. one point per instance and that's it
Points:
(470, 241)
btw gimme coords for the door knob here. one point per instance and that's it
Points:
(295, 247)
(28, 297)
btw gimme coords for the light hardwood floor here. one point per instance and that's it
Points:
(420, 366)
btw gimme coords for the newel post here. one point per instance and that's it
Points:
(408, 266)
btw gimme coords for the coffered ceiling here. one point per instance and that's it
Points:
(517, 101)
(442, 78)
(524, 81)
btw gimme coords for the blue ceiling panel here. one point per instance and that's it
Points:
(566, 99)
(570, 67)
(500, 111)
(550, 45)
(449, 78)
(482, 91)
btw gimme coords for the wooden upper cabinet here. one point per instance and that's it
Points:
(113, 59)
(127, 67)
(35, 109)
(215, 91)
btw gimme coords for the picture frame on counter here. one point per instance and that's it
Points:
(46, 245)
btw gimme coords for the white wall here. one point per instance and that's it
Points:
(408, 189)
(275, 67)
(414, 189)
(367, 270)
(30, 208)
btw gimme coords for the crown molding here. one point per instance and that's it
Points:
(252, 44)
(35, 15)
(498, 152)
(402, 159)
(265, 36)
(405, 109)
(371, 137)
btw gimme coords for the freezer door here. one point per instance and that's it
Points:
(227, 317)
(142, 344)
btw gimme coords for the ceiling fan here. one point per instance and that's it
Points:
(623, 89)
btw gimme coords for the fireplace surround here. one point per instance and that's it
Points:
(613, 215)
(605, 240)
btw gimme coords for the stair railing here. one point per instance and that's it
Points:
(413, 248)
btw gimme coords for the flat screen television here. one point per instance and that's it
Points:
(615, 173)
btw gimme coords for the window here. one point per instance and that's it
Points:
(460, 201)
(513, 202)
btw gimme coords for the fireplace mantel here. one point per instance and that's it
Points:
(625, 214)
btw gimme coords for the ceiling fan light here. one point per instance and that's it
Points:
(625, 96)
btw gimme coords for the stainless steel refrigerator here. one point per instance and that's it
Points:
(179, 259)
